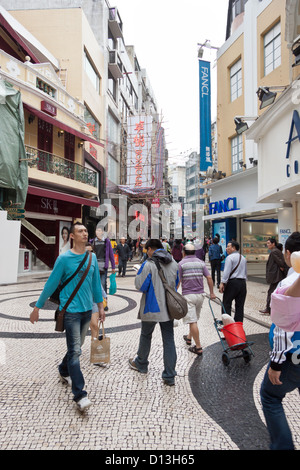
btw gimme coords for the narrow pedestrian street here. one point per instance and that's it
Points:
(211, 407)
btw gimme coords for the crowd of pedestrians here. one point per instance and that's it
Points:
(183, 263)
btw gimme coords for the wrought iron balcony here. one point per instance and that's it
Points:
(53, 164)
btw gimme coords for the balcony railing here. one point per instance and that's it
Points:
(53, 164)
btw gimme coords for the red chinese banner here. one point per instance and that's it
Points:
(139, 154)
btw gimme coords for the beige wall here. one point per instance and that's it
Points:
(269, 17)
(226, 110)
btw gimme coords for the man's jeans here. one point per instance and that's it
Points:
(103, 278)
(76, 326)
(271, 399)
(170, 356)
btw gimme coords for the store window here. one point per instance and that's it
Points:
(236, 153)
(255, 233)
(272, 49)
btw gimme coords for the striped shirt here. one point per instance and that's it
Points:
(283, 341)
(191, 272)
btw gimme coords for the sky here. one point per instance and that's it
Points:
(165, 34)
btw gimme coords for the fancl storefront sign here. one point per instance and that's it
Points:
(228, 205)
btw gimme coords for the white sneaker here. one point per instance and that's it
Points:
(84, 403)
(66, 380)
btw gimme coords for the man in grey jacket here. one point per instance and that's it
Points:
(153, 309)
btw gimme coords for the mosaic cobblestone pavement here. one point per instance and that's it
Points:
(211, 407)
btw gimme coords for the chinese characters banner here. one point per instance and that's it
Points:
(139, 149)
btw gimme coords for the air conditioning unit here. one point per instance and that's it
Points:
(115, 65)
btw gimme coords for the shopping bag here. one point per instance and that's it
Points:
(112, 284)
(100, 348)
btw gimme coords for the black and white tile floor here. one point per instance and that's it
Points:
(211, 407)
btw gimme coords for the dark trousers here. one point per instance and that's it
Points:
(235, 290)
(216, 268)
(270, 292)
(271, 400)
(122, 266)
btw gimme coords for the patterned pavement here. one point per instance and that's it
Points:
(211, 407)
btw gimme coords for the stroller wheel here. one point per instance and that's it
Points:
(225, 359)
(246, 356)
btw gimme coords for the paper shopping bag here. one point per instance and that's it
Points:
(100, 348)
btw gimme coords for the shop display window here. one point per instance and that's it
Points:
(255, 234)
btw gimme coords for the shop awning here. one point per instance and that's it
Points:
(60, 124)
(48, 193)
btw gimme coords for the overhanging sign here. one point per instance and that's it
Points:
(205, 115)
(227, 205)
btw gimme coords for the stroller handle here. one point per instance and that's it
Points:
(217, 300)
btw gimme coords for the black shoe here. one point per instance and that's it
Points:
(266, 311)
(167, 382)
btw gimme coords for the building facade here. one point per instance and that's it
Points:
(254, 55)
(277, 135)
(60, 183)
(80, 86)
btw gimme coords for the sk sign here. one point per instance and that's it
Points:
(227, 205)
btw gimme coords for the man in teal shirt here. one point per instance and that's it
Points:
(78, 316)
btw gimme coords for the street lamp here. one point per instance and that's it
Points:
(206, 44)
(266, 96)
(241, 124)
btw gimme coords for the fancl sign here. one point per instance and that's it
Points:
(205, 115)
(295, 124)
(228, 205)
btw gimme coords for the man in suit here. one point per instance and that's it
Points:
(275, 271)
(124, 252)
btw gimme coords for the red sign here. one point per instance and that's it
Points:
(48, 108)
(139, 141)
(44, 205)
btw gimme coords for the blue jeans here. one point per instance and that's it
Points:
(271, 399)
(170, 356)
(76, 326)
(103, 279)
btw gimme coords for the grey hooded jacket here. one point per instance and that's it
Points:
(153, 302)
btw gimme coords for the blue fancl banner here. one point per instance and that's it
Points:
(205, 115)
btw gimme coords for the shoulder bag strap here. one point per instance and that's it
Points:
(235, 267)
(79, 283)
(74, 274)
(160, 272)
